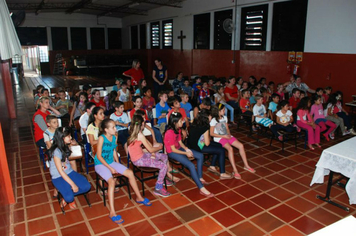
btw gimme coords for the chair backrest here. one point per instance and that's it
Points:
(109, 89)
(94, 149)
(191, 116)
(128, 105)
(154, 113)
(59, 122)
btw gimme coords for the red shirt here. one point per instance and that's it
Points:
(38, 131)
(181, 111)
(171, 138)
(294, 102)
(98, 104)
(132, 112)
(136, 75)
(232, 92)
(244, 103)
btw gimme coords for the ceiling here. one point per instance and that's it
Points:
(112, 8)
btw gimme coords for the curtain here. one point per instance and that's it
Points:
(9, 42)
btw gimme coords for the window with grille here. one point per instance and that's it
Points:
(43, 53)
(16, 59)
(167, 26)
(254, 27)
(155, 35)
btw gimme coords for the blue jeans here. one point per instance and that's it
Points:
(66, 190)
(346, 118)
(158, 135)
(231, 109)
(183, 159)
(218, 153)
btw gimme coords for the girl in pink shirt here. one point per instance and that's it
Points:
(305, 121)
(317, 112)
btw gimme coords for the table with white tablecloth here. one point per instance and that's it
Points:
(340, 158)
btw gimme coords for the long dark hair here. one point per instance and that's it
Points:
(282, 104)
(315, 98)
(112, 96)
(215, 111)
(58, 142)
(173, 120)
(303, 104)
(332, 99)
(104, 125)
(95, 111)
(202, 118)
(82, 94)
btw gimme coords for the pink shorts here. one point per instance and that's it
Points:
(224, 141)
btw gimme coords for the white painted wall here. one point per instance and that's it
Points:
(331, 26)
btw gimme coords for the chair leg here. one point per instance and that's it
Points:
(128, 187)
(143, 185)
(87, 199)
(59, 202)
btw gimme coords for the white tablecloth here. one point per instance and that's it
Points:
(340, 158)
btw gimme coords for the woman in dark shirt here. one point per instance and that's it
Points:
(159, 75)
(199, 140)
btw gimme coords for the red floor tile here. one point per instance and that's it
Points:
(227, 217)
(36, 199)
(246, 228)
(263, 184)
(286, 230)
(189, 213)
(307, 225)
(20, 229)
(211, 205)
(247, 209)
(278, 179)
(38, 211)
(166, 221)
(176, 201)
(131, 215)
(247, 191)
(96, 210)
(323, 216)
(267, 221)
(281, 194)
(230, 198)
(301, 204)
(117, 232)
(205, 226)
(33, 189)
(102, 224)
(42, 225)
(19, 216)
(264, 201)
(71, 217)
(179, 232)
(141, 228)
(79, 229)
(157, 208)
(295, 187)
(285, 213)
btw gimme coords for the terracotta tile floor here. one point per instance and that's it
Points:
(276, 200)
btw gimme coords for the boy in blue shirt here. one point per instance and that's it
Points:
(186, 88)
(161, 111)
(197, 85)
(272, 107)
(185, 104)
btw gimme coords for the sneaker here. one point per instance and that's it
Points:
(169, 182)
(331, 136)
(352, 131)
(346, 133)
(162, 192)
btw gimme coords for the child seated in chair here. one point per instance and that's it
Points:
(246, 108)
(137, 101)
(259, 112)
(272, 107)
(68, 182)
(174, 104)
(107, 165)
(204, 92)
(148, 157)
(284, 120)
(206, 104)
(148, 102)
(161, 111)
(122, 122)
(185, 104)
(63, 105)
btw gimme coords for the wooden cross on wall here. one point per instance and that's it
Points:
(181, 37)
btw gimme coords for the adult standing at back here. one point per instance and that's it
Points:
(135, 73)
(299, 85)
(159, 75)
